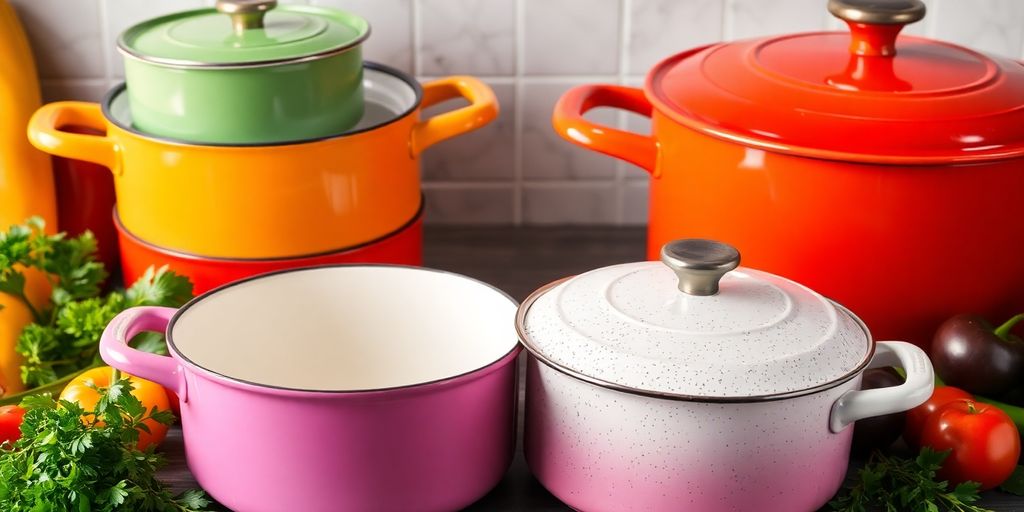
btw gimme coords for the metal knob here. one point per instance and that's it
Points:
(245, 14)
(699, 264)
(874, 24)
(878, 12)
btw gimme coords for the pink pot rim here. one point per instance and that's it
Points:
(266, 389)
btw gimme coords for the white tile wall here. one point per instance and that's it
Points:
(515, 170)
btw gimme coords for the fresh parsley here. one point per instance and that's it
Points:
(65, 334)
(69, 459)
(896, 484)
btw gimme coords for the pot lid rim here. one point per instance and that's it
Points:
(532, 348)
(128, 51)
(661, 101)
(122, 87)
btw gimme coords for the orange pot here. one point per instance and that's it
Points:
(883, 173)
(404, 247)
(271, 201)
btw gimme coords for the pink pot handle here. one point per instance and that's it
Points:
(860, 404)
(115, 351)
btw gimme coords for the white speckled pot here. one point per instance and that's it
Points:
(608, 428)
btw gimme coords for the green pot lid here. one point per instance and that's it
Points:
(243, 33)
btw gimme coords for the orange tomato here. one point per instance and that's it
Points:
(149, 393)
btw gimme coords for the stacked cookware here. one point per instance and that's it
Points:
(253, 137)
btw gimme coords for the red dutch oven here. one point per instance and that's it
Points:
(883, 172)
(85, 194)
(402, 247)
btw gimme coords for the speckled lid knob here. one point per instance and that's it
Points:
(694, 326)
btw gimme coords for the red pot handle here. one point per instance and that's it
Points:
(115, 351)
(640, 150)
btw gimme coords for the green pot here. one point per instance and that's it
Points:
(246, 72)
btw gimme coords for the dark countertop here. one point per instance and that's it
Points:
(519, 260)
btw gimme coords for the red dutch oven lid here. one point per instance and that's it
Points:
(863, 96)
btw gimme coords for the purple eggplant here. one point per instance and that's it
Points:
(967, 352)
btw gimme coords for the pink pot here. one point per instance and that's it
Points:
(338, 388)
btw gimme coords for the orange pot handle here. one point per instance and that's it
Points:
(45, 134)
(568, 120)
(482, 109)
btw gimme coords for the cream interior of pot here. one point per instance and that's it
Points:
(387, 96)
(347, 328)
(631, 326)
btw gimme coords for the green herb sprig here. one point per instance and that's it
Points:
(896, 484)
(69, 459)
(65, 334)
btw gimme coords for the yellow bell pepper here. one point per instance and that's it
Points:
(26, 180)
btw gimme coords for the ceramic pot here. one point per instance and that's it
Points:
(697, 385)
(339, 388)
(837, 159)
(246, 72)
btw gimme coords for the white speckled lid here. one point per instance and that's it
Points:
(745, 334)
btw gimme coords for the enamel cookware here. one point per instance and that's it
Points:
(338, 388)
(873, 168)
(403, 247)
(696, 384)
(271, 201)
(247, 71)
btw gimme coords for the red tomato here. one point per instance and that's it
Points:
(10, 422)
(983, 439)
(917, 416)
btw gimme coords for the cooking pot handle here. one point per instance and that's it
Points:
(641, 150)
(44, 131)
(920, 382)
(482, 109)
(116, 352)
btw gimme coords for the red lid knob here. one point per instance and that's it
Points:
(874, 24)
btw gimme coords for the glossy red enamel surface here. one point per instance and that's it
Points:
(880, 171)
(904, 247)
(808, 94)
(85, 197)
(403, 247)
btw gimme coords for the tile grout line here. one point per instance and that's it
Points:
(932, 17)
(108, 66)
(727, 20)
(519, 94)
(625, 25)
(417, 36)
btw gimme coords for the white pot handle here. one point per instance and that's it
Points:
(860, 404)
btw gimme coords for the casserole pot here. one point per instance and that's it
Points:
(404, 247)
(395, 386)
(810, 152)
(699, 385)
(277, 200)
(247, 71)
